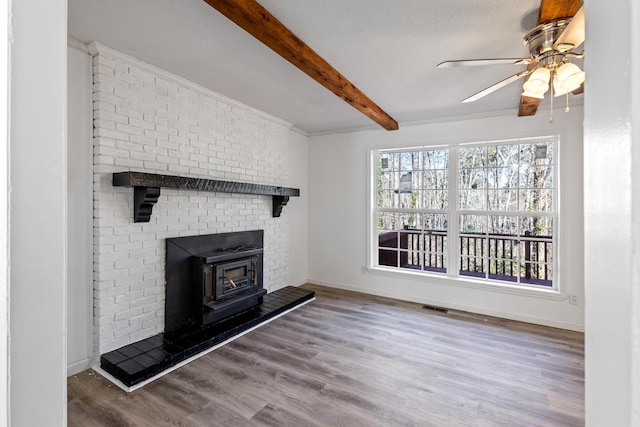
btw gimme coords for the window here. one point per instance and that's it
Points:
(412, 213)
(484, 211)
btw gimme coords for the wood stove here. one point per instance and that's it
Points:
(212, 277)
(228, 279)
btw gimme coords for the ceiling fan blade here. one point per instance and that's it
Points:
(487, 61)
(573, 34)
(496, 86)
(551, 10)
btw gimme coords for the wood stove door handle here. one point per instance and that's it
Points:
(231, 282)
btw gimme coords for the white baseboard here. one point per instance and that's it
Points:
(298, 284)
(79, 366)
(461, 307)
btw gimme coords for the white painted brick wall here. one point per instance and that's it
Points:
(150, 121)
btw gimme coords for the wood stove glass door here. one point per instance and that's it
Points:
(235, 276)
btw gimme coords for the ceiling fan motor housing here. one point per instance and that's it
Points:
(540, 40)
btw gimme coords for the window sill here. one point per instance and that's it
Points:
(440, 279)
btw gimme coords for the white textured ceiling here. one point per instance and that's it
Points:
(387, 48)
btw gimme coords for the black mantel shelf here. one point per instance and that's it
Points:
(147, 190)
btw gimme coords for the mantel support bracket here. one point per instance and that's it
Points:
(279, 202)
(144, 198)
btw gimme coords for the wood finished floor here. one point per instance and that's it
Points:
(349, 359)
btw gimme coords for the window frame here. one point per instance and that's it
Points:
(454, 212)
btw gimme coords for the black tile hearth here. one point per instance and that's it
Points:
(137, 362)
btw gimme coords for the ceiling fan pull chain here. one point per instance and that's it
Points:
(567, 109)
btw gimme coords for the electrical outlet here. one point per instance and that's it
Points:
(573, 299)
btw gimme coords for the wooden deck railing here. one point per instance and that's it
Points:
(493, 256)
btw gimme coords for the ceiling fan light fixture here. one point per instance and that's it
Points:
(569, 77)
(533, 94)
(557, 89)
(538, 83)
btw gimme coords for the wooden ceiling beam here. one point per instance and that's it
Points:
(550, 10)
(258, 22)
(528, 106)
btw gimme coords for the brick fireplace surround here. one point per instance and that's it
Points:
(147, 120)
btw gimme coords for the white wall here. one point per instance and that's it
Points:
(79, 212)
(37, 212)
(298, 209)
(338, 181)
(612, 213)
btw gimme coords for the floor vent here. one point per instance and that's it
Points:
(435, 308)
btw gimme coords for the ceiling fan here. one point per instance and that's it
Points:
(552, 43)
